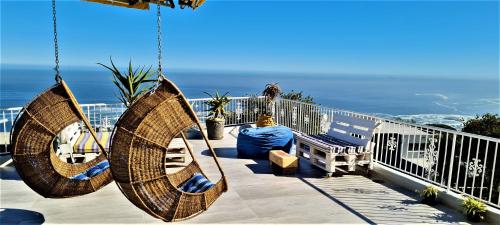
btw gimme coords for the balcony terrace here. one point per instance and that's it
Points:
(407, 157)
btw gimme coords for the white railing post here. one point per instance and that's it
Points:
(378, 141)
(493, 174)
(4, 121)
(452, 156)
(11, 118)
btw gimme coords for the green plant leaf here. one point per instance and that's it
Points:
(131, 84)
(217, 104)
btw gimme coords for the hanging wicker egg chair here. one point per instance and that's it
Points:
(33, 150)
(138, 151)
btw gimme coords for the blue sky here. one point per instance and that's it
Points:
(429, 38)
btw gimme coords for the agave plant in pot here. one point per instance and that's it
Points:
(271, 92)
(215, 122)
(131, 83)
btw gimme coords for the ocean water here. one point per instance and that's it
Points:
(419, 99)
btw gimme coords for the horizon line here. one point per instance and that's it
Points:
(226, 70)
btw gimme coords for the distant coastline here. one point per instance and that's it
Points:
(421, 100)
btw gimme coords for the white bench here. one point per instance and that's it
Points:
(347, 143)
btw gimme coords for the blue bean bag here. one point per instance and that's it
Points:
(257, 142)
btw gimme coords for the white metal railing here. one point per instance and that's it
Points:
(461, 162)
(464, 163)
(241, 110)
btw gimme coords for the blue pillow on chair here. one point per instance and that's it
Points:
(92, 172)
(80, 176)
(103, 165)
(196, 184)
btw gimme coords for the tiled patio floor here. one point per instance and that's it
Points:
(255, 196)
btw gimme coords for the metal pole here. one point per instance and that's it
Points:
(450, 170)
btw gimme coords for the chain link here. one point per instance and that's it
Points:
(158, 23)
(56, 45)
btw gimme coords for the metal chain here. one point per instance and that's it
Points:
(56, 45)
(158, 23)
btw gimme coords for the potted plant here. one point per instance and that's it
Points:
(429, 195)
(475, 210)
(271, 92)
(215, 122)
(130, 83)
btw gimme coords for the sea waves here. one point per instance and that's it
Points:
(438, 95)
(454, 120)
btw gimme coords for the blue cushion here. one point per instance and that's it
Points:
(103, 165)
(196, 184)
(257, 142)
(92, 172)
(80, 176)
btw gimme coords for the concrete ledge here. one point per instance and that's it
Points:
(448, 198)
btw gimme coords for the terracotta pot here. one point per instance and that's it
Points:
(215, 128)
(265, 121)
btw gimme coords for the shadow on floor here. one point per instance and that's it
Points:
(443, 214)
(4, 157)
(230, 153)
(20, 216)
(408, 202)
(260, 166)
(9, 173)
(305, 170)
(331, 197)
(381, 203)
